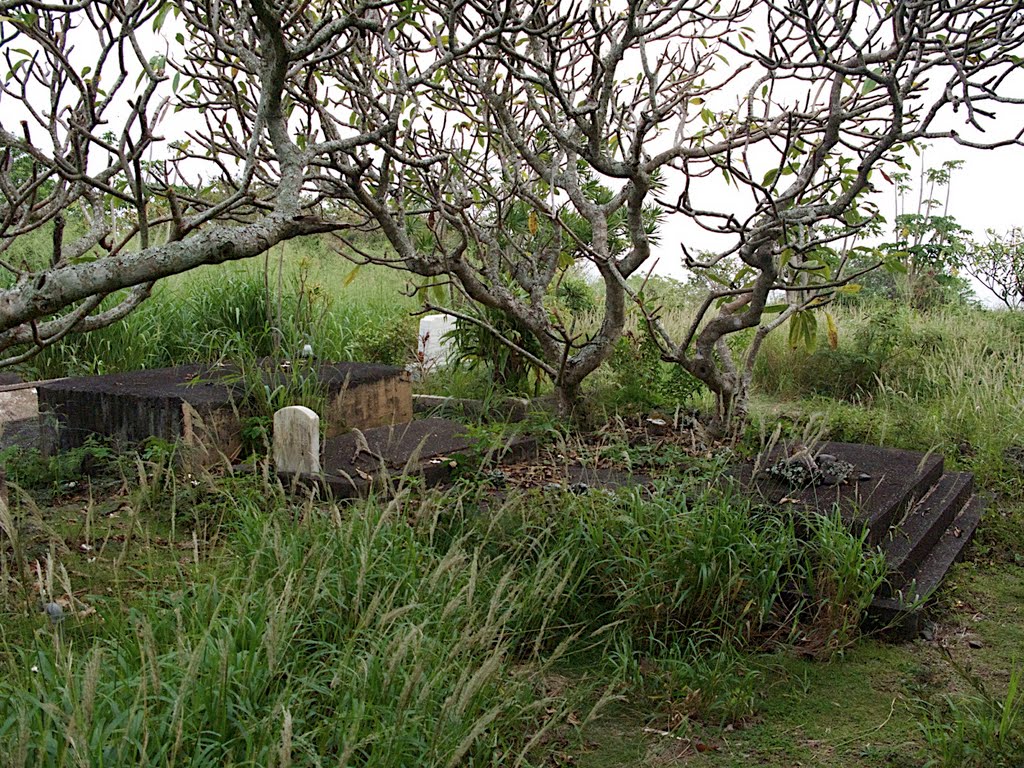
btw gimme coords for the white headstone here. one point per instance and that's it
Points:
(433, 348)
(297, 440)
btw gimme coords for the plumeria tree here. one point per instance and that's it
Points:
(495, 143)
(794, 110)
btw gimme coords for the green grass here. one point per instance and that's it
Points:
(347, 636)
(871, 708)
(268, 306)
(217, 621)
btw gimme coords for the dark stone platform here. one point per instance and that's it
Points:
(201, 404)
(921, 518)
(897, 478)
(431, 449)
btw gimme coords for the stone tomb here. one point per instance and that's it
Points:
(920, 516)
(202, 404)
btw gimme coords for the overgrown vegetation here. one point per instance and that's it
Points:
(305, 631)
(261, 308)
(211, 619)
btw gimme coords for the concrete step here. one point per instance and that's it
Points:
(909, 542)
(900, 479)
(898, 616)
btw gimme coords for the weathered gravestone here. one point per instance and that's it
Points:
(297, 441)
(434, 349)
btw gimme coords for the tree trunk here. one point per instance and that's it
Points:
(732, 409)
(567, 400)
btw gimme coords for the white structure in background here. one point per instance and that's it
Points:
(297, 440)
(433, 349)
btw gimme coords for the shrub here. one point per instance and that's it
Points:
(643, 380)
(30, 469)
(390, 341)
(477, 347)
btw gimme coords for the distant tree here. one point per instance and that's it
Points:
(999, 266)
(930, 245)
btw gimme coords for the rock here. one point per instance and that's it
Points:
(802, 469)
(297, 441)
(55, 612)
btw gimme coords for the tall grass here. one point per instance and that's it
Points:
(418, 631)
(947, 379)
(982, 729)
(344, 639)
(297, 294)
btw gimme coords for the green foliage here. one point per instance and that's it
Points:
(803, 330)
(980, 730)
(30, 469)
(391, 342)
(936, 243)
(256, 434)
(642, 379)
(248, 310)
(575, 294)
(850, 370)
(693, 557)
(477, 347)
(930, 246)
(945, 379)
(698, 678)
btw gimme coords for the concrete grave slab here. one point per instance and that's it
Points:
(19, 410)
(200, 404)
(360, 460)
(18, 404)
(920, 517)
(896, 479)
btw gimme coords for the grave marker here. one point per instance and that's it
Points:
(434, 349)
(297, 440)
